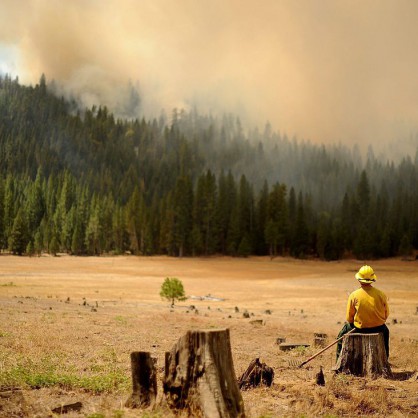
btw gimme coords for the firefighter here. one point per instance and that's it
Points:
(367, 309)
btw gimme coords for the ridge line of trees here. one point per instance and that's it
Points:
(87, 183)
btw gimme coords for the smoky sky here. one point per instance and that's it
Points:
(325, 70)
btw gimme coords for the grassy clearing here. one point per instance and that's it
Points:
(52, 342)
(49, 371)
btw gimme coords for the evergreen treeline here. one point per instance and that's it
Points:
(84, 182)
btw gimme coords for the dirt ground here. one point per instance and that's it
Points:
(82, 309)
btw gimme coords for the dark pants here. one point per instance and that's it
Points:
(348, 327)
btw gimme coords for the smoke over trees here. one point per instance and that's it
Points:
(85, 182)
(329, 71)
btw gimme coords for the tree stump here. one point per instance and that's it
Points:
(320, 339)
(257, 373)
(200, 377)
(144, 381)
(363, 355)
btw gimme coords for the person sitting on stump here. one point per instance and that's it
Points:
(367, 309)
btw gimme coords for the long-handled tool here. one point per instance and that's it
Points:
(324, 349)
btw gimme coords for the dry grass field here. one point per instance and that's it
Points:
(68, 326)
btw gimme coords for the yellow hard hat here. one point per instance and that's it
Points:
(366, 275)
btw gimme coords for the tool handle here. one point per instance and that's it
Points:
(326, 348)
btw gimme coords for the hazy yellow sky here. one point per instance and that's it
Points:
(324, 70)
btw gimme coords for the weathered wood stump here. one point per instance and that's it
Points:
(320, 339)
(320, 378)
(257, 374)
(144, 381)
(258, 322)
(200, 377)
(364, 355)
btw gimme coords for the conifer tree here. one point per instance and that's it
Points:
(132, 214)
(277, 220)
(93, 238)
(183, 211)
(292, 218)
(2, 226)
(405, 246)
(261, 219)
(38, 243)
(204, 214)
(63, 222)
(119, 234)
(234, 235)
(18, 239)
(226, 204)
(246, 213)
(35, 205)
(53, 246)
(363, 194)
(301, 240)
(9, 206)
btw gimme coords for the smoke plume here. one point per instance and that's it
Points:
(324, 70)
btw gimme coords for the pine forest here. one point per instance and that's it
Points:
(83, 182)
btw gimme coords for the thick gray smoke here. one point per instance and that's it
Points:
(326, 70)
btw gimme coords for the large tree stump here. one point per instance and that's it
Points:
(144, 381)
(363, 355)
(200, 377)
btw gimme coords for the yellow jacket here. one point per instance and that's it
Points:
(367, 307)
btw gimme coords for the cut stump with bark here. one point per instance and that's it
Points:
(144, 381)
(200, 377)
(364, 355)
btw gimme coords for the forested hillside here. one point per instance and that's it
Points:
(84, 182)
